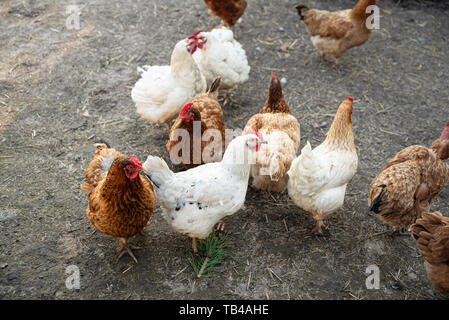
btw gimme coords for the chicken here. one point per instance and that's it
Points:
(431, 233)
(335, 32)
(229, 11)
(120, 200)
(161, 91)
(409, 182)
(318, 177)
(222, 56)
(282, 132)
(193, 201)
(201, 118)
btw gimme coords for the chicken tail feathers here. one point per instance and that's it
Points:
(375, 204)
(416, 230)
(101, 143)
(300, 8)
(215, 86)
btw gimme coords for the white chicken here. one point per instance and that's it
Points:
(162, 91)
(318, 178)
(222, 56)
(193, 201)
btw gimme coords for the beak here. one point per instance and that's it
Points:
(263, 142)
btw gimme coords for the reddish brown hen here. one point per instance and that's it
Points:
(431, 233)
(120, 201)
(410, 181)
(199, 130)
(229, 11)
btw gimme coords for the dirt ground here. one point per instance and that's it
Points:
(50, 76)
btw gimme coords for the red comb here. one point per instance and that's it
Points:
(350, 98)
(193, 36)
(135, 161)
(445, 134)
(257, 133)
(274, 75)
(187, 106)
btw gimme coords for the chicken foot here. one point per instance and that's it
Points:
(319, 224)
(126, 248)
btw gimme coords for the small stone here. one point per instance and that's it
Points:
(3, 265)
(323, 124)
(396, 285)
(412, 276)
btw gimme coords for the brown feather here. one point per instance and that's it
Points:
(412, 179)
(228, 10)
(279, 154)
(338, 30)
(118, 206)
(207, 110)
(275, 102)
(431, 233)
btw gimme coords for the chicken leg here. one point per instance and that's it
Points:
(195, 250)
(317, 230)
(319, 223)
(126, 248)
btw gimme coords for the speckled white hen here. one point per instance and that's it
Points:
(162, 91)
(222, 56)
(318, 178)
(193, 201)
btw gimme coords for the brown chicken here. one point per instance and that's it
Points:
(335, 32)
(281, 131)
(229, 11)
(431, 233)
(120, 200)
(407, 185)
(199, 129)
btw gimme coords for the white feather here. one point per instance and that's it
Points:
(193, 201)
(162, 91)
(222, 56)
(318, 178)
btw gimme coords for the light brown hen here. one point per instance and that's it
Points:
(410, 181)
(282, 132)
(334, 32)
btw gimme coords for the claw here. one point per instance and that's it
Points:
(126, 248)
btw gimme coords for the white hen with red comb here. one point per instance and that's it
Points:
(222, 56)
(193, 201)
(318, 178)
